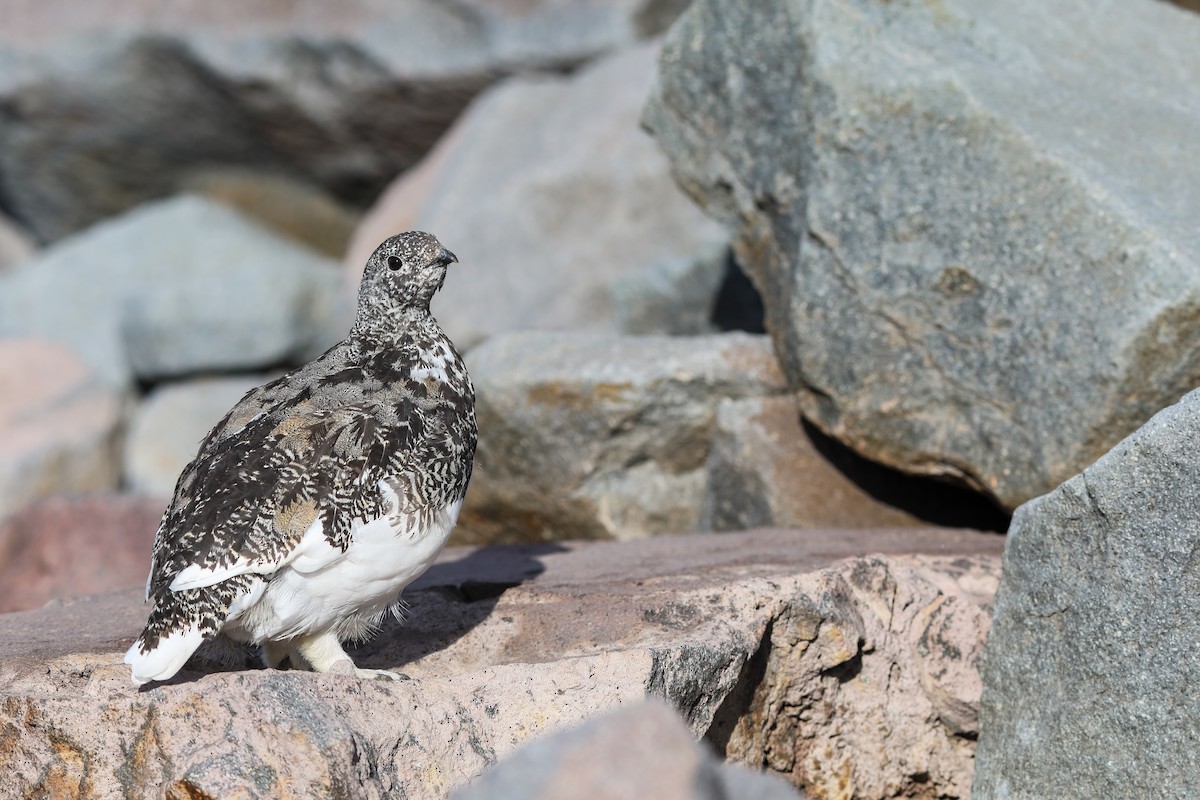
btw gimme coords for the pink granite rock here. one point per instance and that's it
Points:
(58, 424)
(59, 547)
(852, 676)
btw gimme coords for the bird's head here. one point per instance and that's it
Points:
(403, 274)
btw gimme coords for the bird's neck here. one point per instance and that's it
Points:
(376, 325)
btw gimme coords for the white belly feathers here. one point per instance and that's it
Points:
(320, 587)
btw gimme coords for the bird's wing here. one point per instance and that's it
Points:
(284, 476)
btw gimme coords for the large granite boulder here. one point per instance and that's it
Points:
(1091, 670)
(851, 676)
(117, 103)
(59, 424)
(972, 223)
(587, 199)
(601, 436)
(180, 286)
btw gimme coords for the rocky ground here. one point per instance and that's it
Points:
(874, 276)
(788, 652)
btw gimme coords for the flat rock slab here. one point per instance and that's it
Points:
(786, 650)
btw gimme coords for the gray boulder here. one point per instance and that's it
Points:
(342, 97)
(177, 287)
(972, 223)
(641, 750)
(1091, 669)
(591, 435)
(587, 197)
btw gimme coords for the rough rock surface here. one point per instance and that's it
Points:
(176, 287)
(59, 546)
(600, 436)
(642, 750)
(1091, 668)
(587, 195)
(764, 471)
(939, 247)
(167, 428)
(343, 96)
(58, 424)
(776, 651)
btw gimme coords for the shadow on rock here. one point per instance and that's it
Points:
(437, 609)
(936, 501)
(449, 600)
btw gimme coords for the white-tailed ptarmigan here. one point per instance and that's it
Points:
(322, 494)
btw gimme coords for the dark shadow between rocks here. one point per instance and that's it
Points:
(929, 499)
(449, 600)
(738, 306)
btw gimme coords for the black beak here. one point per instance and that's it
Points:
(446, 258)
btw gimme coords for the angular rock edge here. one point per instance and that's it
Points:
(1090, 670)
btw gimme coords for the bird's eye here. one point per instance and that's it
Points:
(393, 262)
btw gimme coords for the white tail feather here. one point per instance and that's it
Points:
(166, 658)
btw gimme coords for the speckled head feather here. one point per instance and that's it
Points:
(323, 493)
(401, 277)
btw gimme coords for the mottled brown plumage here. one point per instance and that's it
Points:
(319, 453)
